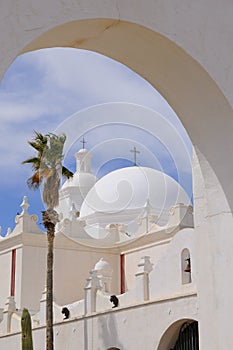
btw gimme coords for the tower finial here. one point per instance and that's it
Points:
(25, 205)
(83, 141)
(134, 150)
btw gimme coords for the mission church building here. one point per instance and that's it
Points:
(124, 269)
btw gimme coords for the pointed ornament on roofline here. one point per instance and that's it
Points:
(8, 232)
(25, 205)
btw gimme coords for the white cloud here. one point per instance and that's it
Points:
(19, 112)
(92, 78)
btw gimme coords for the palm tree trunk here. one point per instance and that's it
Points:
(50, 218)
(49, 295)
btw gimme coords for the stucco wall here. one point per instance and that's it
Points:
(72, 267)
(199, 48)
(5, 276)
(142, 325)
(33, 276)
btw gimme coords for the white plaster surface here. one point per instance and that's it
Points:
(109, 329)
(184, 49)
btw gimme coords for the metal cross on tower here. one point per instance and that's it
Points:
(134, 150)
(83, 142)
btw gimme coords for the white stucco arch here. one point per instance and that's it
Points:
(170, 335)
(189, 63)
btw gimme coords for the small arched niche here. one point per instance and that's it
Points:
(186, 271)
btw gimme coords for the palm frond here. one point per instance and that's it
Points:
(47, 166)
(31, 160)
(42, 139)
(35, 180)
(38, 147)
(66, 172)
(61, 138)
(39, 142)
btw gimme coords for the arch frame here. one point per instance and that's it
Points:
(191, 71)
(170, 335)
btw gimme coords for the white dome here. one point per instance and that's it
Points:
(102, 265)
(131, 188)
(81, 180)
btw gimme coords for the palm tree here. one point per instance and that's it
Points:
(47, 168)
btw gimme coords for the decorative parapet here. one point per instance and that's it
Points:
(147, 217)
(116, 232)
(8, 232)
(181, 216)
(73, 228)
(26, 223)
(9, 310)
(39, 318)
(91, 288)
(142, 278)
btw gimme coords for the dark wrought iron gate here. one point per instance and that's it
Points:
(188, 337)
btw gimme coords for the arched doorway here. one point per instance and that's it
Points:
(181, 335)
(188, 337)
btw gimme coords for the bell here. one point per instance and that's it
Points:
(188, 266)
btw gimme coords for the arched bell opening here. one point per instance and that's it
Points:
(186, 270)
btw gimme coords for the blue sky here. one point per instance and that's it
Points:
(81, 92)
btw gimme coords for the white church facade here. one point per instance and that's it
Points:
(184, 50)
(125, 266)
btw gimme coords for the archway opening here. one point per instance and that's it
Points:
(182, 334)
(188, 88)
(52, 84)
(177, 76)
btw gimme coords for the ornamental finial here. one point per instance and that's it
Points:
(8, 232)
(24, 205)
(73, 212)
